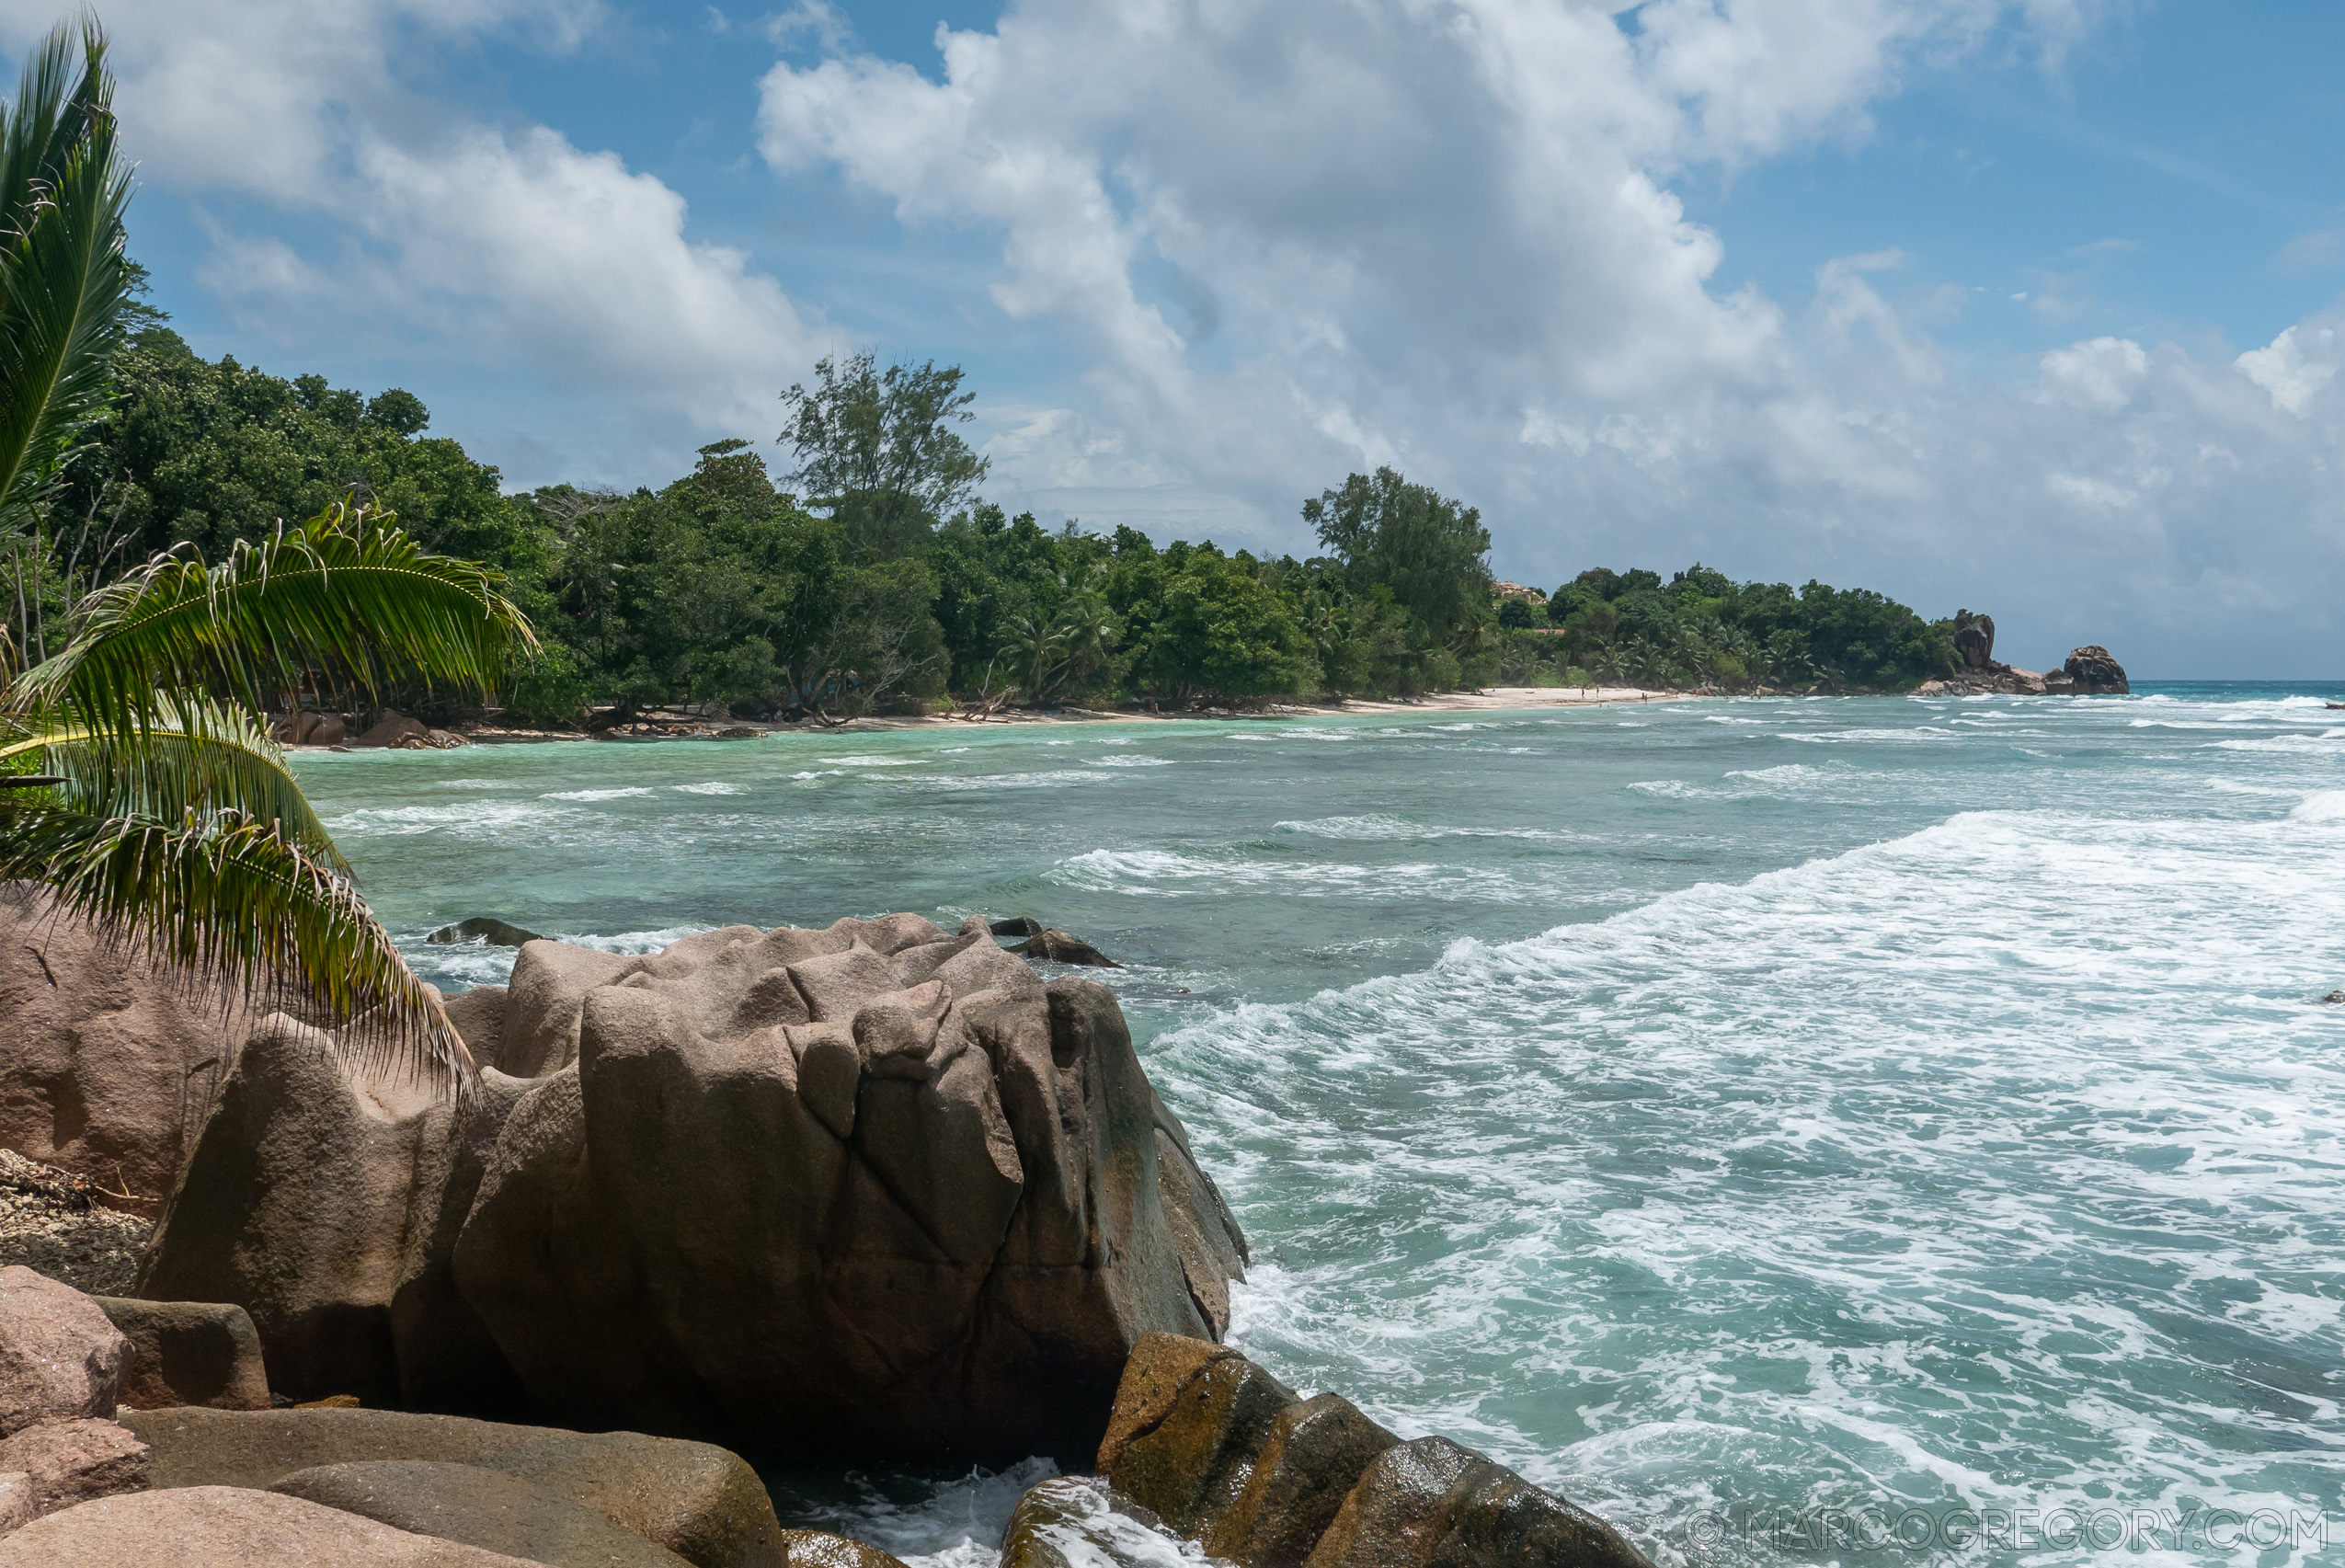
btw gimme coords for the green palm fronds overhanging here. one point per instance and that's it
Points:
(343, 590)
(174, 824)
(63, 275)
(202, 755)
(227, 899)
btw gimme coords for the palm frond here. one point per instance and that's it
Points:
(63, 275)
(205, 756)
(344, 589)
(229, 901)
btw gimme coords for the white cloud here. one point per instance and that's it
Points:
(1286, 237)
(477, 243)
(2101, 374)
(2292, 369)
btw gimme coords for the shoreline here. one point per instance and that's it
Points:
(1492, 699)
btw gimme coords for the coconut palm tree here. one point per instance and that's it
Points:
(138, 783)
(162, 812)
(63, 275)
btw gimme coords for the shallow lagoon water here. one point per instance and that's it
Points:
(1725, 1112)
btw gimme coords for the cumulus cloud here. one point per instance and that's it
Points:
(2293, 369)
(484, 244)
(1288, 238)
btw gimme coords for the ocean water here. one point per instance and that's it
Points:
(1850, 1130)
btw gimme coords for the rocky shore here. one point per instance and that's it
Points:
(875, 1193)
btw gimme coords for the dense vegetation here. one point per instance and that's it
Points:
(874, 573)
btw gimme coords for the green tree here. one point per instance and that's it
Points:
(877, 450)
(63, 284)
(1432, 553)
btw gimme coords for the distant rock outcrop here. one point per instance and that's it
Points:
(872, 1189)
(1974, 640)
(2094, 673)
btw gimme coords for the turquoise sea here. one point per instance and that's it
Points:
(1850, 1130)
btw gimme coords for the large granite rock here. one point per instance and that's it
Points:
(697, 1501)
(74, 1462)
(1225, 1455)
(327, 1207)
(111, 1067)
(61, 1359)
(478, 1506)
(189, 1353)
(874, 1189)
(222, 1527)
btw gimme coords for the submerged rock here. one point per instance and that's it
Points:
(869, 1190)
(487, 930)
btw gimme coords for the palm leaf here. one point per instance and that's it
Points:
(344, 589)
(63, 277)
(205, 756)
(232, 901)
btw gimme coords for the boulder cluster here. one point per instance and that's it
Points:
(2089, 672)
(876, 1192)
(872, 1191)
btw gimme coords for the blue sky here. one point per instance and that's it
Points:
(2024, 304)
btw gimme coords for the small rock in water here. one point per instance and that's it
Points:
(486, 930)
(1054, 945)
(2335, 996)
(1060, 948)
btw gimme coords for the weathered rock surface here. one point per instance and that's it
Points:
(189, 1353)
(1057, 948)
(1079, 1521)
(74, 1462)
(15, 1501)
(874, 1189)
(1433, 1502)
(487, 930)
(2095, 673)
(59, 1358)
(478, 1506)
(391, 729)
(109, 1068)
(1974, 640)
(222, 1527)
(1227, 1456)
(327, 1206)
(697, 1501)
(819, 1548)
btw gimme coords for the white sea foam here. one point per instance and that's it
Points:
(631, 942)
(619, 794)
(1377, 826)
(1755, 1103)
(469, 820)
(1168, 874)
(873, 762)
(1050, 779)
(718, 788)
(1134, 762)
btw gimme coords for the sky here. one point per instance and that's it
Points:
(2028, 307)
